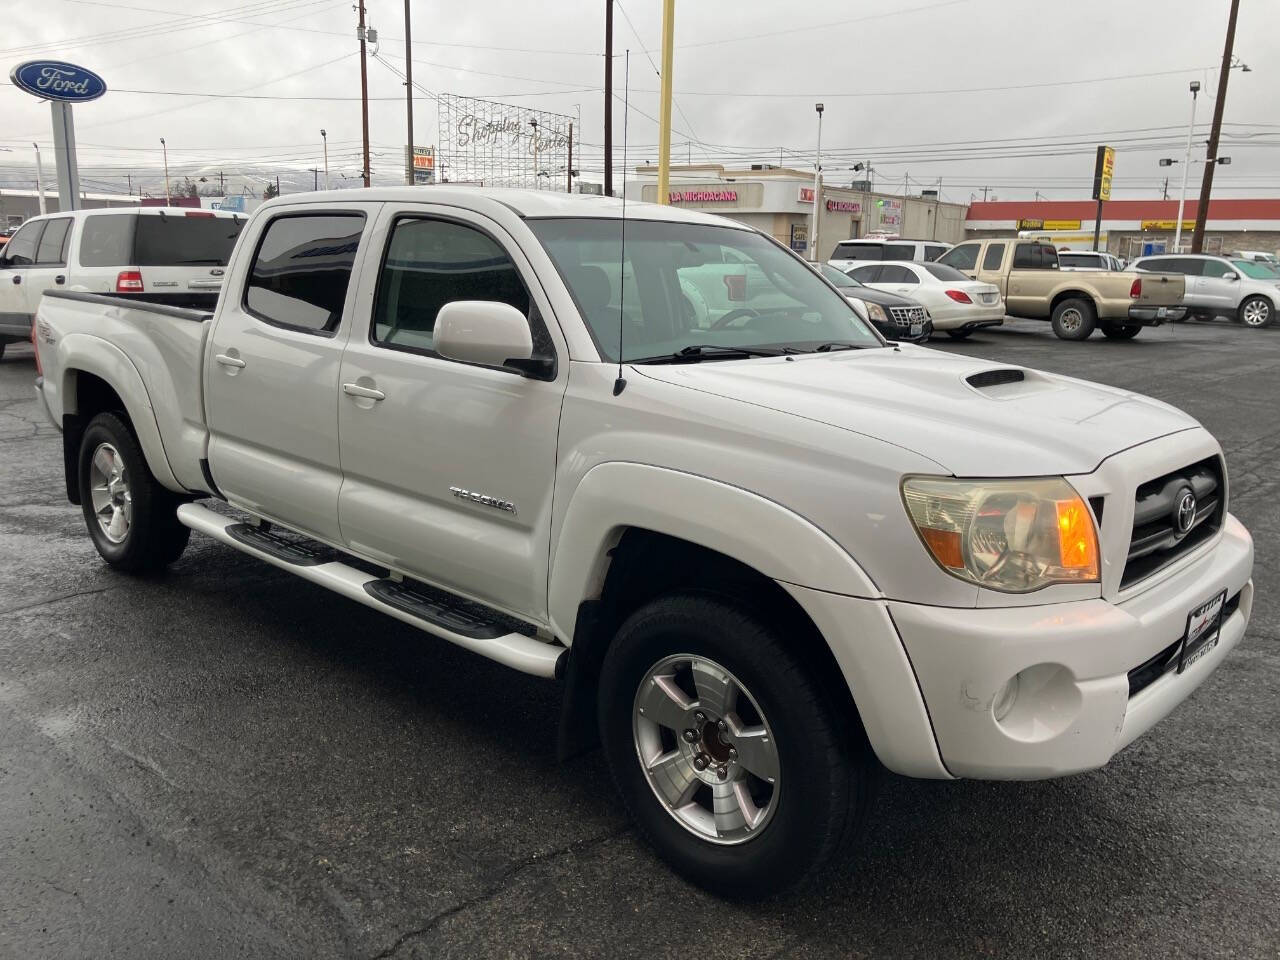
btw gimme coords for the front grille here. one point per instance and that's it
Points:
(1158, 539)
(906, 316)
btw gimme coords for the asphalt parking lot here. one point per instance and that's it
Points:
(226, 761)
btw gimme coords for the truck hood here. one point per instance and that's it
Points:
(974, 418)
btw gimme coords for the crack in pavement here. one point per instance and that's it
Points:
(44, 601)
(503, 881)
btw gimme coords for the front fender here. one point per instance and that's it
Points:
(80, 352)
(751, 529)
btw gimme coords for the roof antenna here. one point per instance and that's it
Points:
(620, 384)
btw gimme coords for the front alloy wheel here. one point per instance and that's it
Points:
(1255, 312)
(707, 751)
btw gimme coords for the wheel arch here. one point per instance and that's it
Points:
(1072, 294)
(97, 377)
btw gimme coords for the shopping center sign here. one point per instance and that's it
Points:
(703, 196)
(843, 206)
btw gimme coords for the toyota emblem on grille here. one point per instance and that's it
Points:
(1185, 515)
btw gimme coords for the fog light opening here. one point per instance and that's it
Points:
(1006, 698)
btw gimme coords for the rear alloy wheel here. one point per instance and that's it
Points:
(734, 759)
(1256, 311)
(1121, 331)
(1074, 319)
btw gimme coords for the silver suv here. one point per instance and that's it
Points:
(1221, 286)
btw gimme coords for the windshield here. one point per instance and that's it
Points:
(686, 285)
(838, 277)
(944, 272)
(1257, 270)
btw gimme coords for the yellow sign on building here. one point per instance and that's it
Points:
(1167, 224)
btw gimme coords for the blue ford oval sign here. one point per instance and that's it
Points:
(55, 80)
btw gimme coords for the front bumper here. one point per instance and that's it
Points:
(1073, 711)
(1152, 316)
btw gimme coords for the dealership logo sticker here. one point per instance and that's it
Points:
(55, 80)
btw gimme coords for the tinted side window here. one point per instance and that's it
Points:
(107, 240)
(994, 256)
(53, 243)
(185, 240)
(1034, 256)
(20, 251)
(858, 251)
(963, 257)
(892, 273)
(1187, 266)
(900, 251)
(866, 274)
(1211, 268)
(433, 262)
(933, 252)
(301, 270)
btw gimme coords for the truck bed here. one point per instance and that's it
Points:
(155, 347)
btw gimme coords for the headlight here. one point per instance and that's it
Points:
(1009, 535)
(876, 312)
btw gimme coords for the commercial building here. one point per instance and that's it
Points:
(19, 205)
(779, 202)
(1131, 228)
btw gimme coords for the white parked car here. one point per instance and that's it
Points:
(169, 255)
(764, 551)
(1088, 260)
(957, 304)
(851, 253)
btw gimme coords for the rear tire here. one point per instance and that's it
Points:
(132, 519)
(1121, 331)
(959, 334)
(1074, 319)
(776, 714)
(1256, 312)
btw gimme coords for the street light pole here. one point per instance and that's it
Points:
(408, 93)
(39, 179)
(534, 123)
(1206, 185)
(664, 102)
(364, 91)
(325, 137)
(817, 175)
(1186, 165)
(165, 148)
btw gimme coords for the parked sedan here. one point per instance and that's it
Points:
(897, 318)
(1218, 286)
(957, 304)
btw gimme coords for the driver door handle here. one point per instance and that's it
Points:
(17, 278)
(365, 393)
(227, 361)
(59, 279)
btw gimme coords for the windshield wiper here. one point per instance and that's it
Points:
(695, 353)
(840, 345)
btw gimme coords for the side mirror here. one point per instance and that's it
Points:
(484, 332)
(1231, 276)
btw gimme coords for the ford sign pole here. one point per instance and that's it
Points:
(62, 84)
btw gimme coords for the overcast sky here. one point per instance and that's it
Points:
(746, 76)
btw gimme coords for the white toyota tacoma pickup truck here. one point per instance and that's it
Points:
(764, 550)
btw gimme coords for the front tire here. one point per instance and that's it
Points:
(1074, 319)
(132, 519)
(1256, 311)
(1121, 331)
(731, 757)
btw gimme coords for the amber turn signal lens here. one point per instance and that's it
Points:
(945, 547)
(1077, 542)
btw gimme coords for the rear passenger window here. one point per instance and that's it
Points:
(963, 257)
(900, 251)
(106, 240)
(892, 273)
(994, 256)
(433, 262)
(932, 253)
(869, 274)
(301, 270)
(53, 243)
(858, 251)
(1034, 256)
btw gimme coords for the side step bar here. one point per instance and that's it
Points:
(500, 640)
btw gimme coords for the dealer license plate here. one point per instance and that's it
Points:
(988, 298)
(1162, 312)
(1204, 624)
(916, 328)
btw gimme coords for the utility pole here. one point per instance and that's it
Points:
(315, 177)
(817, 189)
(608, 99)
(277, 184)
(408, 93)
(129, 180)
(1206, 186)
(325, 137)
(568, 178)
(1166, 188)
(1186, 167)
(364, 91)
(984, 194)
(222, 184)
(167, 201)
(664, 102)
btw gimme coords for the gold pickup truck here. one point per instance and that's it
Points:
(1076, 303)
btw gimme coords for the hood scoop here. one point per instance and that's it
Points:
(994, 378)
